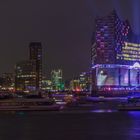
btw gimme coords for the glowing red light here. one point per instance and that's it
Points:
(77, 89)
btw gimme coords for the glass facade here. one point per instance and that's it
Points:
(117, 76)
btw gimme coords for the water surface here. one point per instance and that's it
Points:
(70, 125)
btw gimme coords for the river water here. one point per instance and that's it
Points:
(70, 125)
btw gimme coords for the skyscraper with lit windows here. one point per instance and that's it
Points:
(36, 55)
(25, 76)
(56, 79)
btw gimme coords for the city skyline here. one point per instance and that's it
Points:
(70, 69)
(64, 28)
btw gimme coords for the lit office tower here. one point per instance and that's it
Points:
(85, 81)
(36, 55)
(56, 78)
(110, 35)
(25, 76)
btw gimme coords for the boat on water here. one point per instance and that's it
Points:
(28, 105)
(129, 107)
(132, 104)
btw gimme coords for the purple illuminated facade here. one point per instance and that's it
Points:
(110, 35)
(115, 61)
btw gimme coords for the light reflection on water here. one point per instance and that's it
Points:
(103, 111)
(134, 113)
(98, 124)
(134, 130)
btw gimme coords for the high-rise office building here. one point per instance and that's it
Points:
(85, 81)
(56, 78)
(25, 76)
(36, 55)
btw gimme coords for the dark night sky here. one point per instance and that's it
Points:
(63, 26)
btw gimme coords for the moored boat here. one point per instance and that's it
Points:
(28, 105)
(129, 107)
